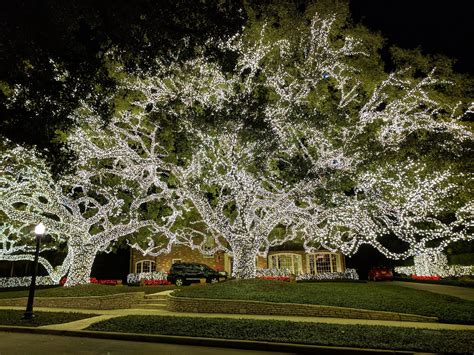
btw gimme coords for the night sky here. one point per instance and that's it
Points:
(444, 27)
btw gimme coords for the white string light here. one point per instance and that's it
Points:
(249, 205)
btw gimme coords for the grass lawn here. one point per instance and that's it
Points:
(291, 332)
(381, 297)
(11, 317)
(85, 290)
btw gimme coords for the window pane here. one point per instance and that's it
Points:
(286, 262)
(323, 263)
(139, 268)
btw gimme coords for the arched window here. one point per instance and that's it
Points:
(144, 266)
(286, 261)
(322, 262)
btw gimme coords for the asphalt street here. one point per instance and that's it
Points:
(38, 344)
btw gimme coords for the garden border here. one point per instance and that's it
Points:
(230, 306)
(114, 301)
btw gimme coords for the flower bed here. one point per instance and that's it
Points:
(148, 278)
(348, 274)
(275, 278)
(420, 277)
(106, 282)
(156, 282)
(284, 275)
(265, 273)
(93, 280)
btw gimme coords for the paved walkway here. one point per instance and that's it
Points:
(456, 291)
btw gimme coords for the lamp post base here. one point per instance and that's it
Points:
(28, 315)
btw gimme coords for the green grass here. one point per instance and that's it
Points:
(12, 317)
(363, 336)
(85, 290)
(380, 297)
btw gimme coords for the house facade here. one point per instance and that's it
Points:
(297, 261)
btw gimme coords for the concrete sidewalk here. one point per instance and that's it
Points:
(455, 291)
(107, 314)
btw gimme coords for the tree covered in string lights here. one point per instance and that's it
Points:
(318, 99)
(244, 207)
(425, 210)
(135, 155)
(80, 213)
(295, 133)
(23, 180)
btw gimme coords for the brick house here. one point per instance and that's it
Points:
(298, 261)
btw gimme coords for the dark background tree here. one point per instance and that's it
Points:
(41, 40)
(38, 39)
(437, 27)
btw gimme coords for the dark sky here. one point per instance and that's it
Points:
(445, 27)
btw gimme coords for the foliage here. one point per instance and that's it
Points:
(57, 54)
(12, 317)
(359, 336)
(85, 290)
(380, 297)
(462, 259)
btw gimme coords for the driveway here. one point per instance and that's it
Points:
(466, 293)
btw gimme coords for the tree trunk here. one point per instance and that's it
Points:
(82, 259)
(244, 264)
(431, 264)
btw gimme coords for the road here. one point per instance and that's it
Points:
(38, 344)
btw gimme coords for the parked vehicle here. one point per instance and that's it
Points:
(381, 273)
(185, 273)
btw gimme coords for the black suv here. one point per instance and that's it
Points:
(186, 273)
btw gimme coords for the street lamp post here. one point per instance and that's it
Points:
(39, 231)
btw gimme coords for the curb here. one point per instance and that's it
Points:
(199, 341)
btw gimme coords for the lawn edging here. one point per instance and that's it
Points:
(207, 305)
(201, 341)
(114, 301)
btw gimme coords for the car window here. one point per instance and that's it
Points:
(195, 267)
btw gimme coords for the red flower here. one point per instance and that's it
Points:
(156, 282)
(275, 278)
(421, 277)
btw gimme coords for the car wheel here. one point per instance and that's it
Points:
(179, 282)
(214, 280)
